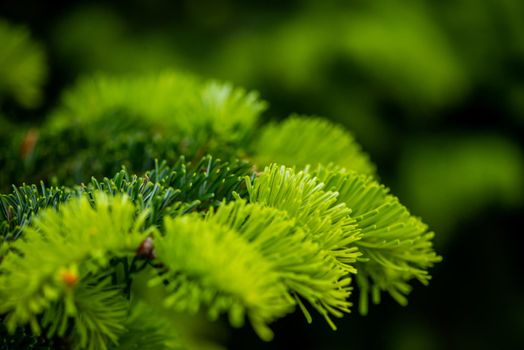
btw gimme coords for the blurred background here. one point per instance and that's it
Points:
(433, 90)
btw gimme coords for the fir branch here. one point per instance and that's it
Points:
(107, 122)
(174, 102)
(295, 241)
(396, 246)
(76, 153)
(212, 236)
(17, 208)
(300, 141)
(179, 188)
(95, 313)
(304, 199)
(212, 265)
(303, 266)
(76, 241)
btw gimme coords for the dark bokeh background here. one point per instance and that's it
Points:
(433, 90)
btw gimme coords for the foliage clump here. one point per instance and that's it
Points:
(164, 197)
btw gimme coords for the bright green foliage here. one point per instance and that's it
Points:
(177, 102)
(396, 246)
(295, 241)
(99, 311)
(213, 265)
(73, 243)
(303, 266)
(22, 66)
(301, 141)
(317, 211)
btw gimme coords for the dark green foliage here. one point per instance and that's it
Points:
(74, 154)
(181, 188)
(105, 123)
(23, 338)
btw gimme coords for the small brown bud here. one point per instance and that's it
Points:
(146, 249)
